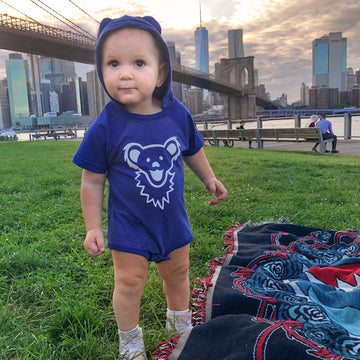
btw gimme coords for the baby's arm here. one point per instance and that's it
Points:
(92, 200)
(199, 164)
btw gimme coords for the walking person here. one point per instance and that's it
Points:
(327, 131)
(138, 143)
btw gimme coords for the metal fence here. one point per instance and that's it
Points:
(346, 126)
(53, 122)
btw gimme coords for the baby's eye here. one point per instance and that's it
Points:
(139, 63)
(113, 63)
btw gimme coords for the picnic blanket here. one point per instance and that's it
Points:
(280, 292)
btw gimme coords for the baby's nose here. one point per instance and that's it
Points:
(126, 74)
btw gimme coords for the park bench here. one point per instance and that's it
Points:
(208, 135)
(228, 137)
(43, 135)
(248, 134)
(8, 137)
(312, 134)
(261, 135)
(52, 134)
(66, 134)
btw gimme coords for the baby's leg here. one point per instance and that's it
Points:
(130, 272)
(175, 275)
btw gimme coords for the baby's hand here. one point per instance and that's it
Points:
(217, 189)
(94, 242)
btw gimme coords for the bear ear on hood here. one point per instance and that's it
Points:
(103, 23)
(153, 22)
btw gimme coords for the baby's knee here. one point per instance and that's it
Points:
(130, 281)
(177, 272)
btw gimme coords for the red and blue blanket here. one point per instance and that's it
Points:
(280, 292)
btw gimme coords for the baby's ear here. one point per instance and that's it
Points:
(153, 22)
(103, 23)
(163, 73)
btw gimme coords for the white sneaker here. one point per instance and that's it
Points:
(178, 321)
(132, 345)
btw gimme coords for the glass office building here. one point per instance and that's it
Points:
(202, 49)
(16, 72)
(329, 61)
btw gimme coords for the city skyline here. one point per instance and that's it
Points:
(278, 34)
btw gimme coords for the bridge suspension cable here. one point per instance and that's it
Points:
(72, 2)
(75, 27)
(12, 7)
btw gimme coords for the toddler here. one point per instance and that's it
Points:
(138, 143)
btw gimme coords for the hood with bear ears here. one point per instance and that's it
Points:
(147, 23)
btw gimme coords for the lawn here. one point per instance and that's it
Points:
(55, 301)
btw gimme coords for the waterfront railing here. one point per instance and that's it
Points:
(52, 122)
(345, 126)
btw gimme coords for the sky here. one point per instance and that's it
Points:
(278, 33)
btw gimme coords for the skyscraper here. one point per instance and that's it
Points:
(357, 77)
(175, 59)
(202, 48)
(17, 78)
(304, 94)
(5, 119)
(35, 87)
(235, 43)
(329, 61)
(350, 78)
(56, 70)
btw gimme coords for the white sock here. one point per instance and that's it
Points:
(131, 342)
(128, 332)
(173, 313)
(179, 320)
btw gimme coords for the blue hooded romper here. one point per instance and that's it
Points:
(141, 156)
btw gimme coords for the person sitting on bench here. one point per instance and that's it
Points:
(327, 131)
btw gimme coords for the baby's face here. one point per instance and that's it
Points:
(131, 69)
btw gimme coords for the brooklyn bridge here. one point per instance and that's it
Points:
(33, 37)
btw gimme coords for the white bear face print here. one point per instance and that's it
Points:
(153, 164)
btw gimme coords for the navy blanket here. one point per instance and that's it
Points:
(280, 292)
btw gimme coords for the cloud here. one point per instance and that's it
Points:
(281, 40)
(131, 8)
(278, 33)
(212, 8)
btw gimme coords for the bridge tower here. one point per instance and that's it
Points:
(239, 71)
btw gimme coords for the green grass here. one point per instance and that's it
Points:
(55, 301)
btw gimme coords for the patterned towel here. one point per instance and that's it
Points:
(281, 292)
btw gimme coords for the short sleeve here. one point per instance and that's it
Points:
(91, 154)
(195, 140)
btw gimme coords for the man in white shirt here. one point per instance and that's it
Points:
(327, 131)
